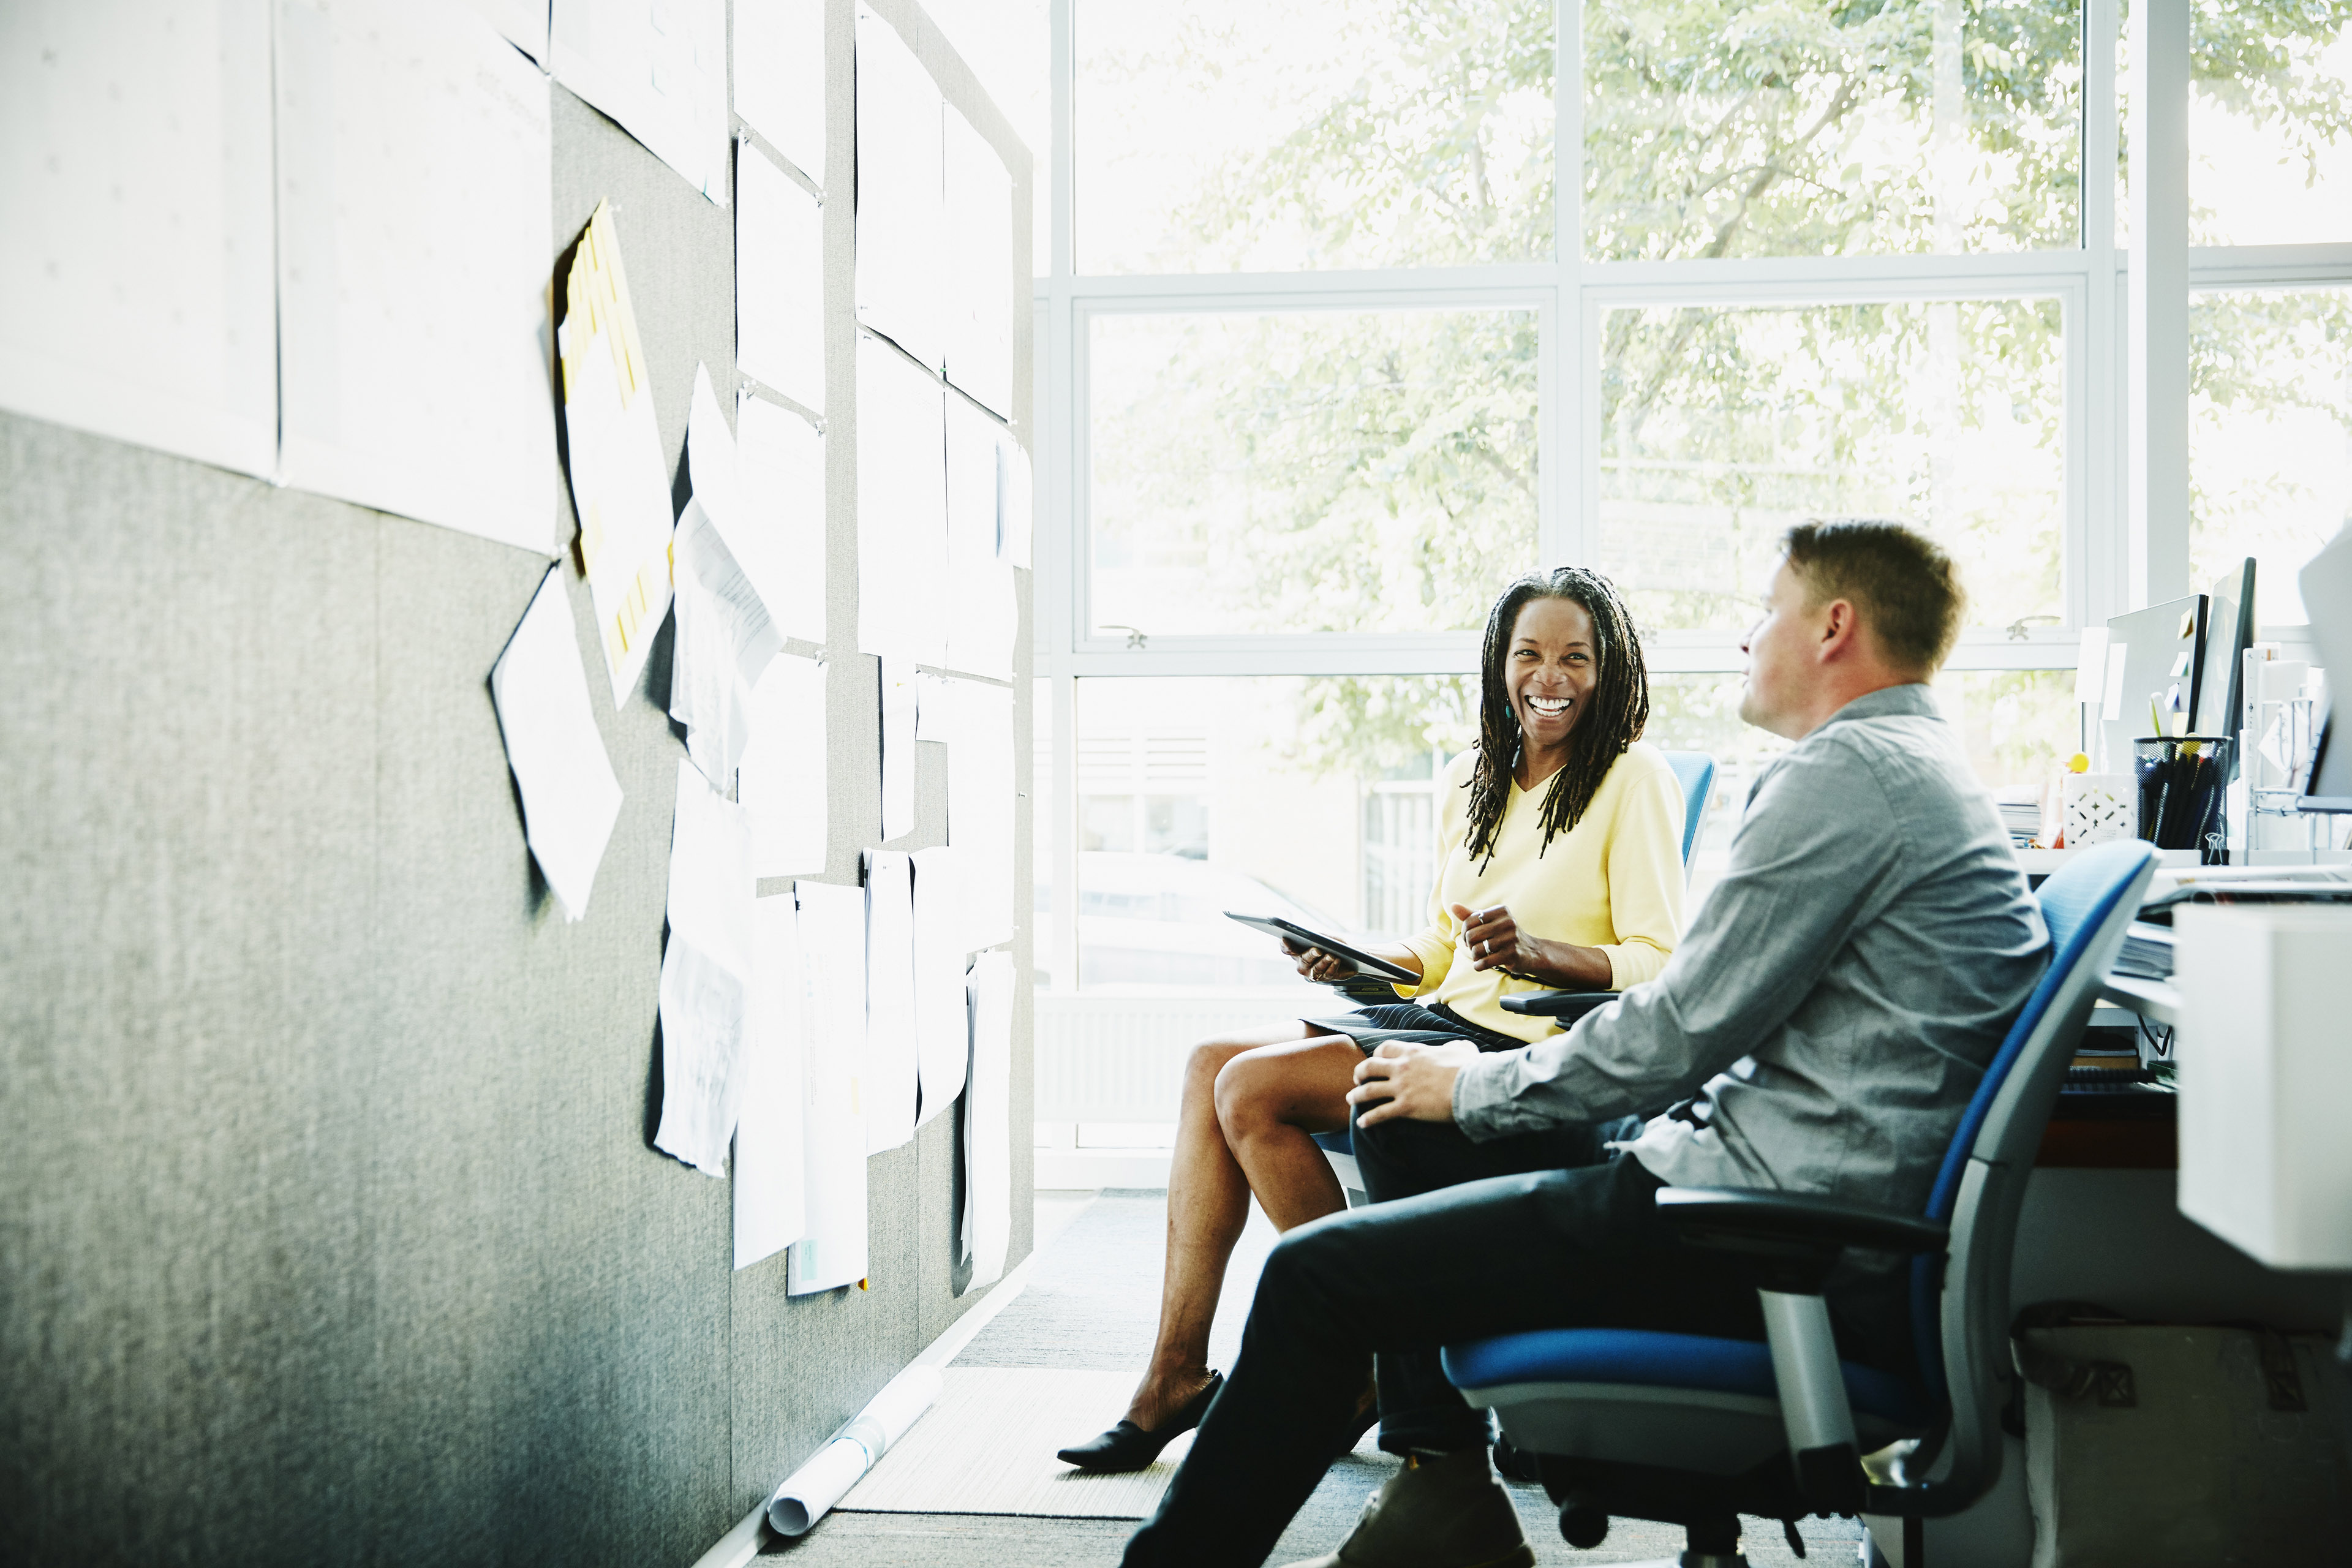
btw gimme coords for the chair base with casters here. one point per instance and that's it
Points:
(1695, 1430)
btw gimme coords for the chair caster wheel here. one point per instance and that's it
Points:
(1582, 1526)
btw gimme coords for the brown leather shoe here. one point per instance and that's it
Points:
(1436, 1513)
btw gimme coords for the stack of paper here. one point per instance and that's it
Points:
(570, 797)
(706, 978)
(725, 637)
(832, 930)
(770, 1141)
(659, 68)
(619, 482)
(891, 1074)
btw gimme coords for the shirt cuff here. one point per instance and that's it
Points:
(1632, 962)
(1482, 1099)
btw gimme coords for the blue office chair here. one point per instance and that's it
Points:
(1696, 773)
(1696, 1431)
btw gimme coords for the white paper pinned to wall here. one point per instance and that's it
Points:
(1015, 503)
(706, 994)
(900, 709)
(987, 1227)
(779, 77)
(901, 191)
(942, 1031)
(782, 781)
(983, 614)
(412, 213)
(780, 457)
(660, 69)
(570, 797)
(982, 803)
(979, 286)
(891, 1079)
(725, 637)
(832, 927)
(771, 1152)
(123, 121)
(902, 508)
(620, 482)
(778, 280)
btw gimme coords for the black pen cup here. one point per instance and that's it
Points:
(2182, 781)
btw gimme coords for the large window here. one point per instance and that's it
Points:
(1353, 309)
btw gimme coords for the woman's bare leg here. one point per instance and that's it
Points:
(1269, 1102)
(1208, 1204)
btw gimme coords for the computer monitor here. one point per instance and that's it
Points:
(2229, 632)
(2326, 585)
(2163, 650)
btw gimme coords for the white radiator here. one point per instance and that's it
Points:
(1121, 1058)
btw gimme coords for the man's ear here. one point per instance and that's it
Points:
(1841, 630)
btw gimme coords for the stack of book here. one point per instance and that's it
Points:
(2020, 813)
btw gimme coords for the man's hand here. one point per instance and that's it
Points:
(1409, 1081)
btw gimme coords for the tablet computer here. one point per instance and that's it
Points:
(1291, 931)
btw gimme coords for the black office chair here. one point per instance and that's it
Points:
(1696, 1431)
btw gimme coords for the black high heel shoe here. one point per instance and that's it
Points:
(1127, 1447)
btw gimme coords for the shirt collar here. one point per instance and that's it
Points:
(1913, 697)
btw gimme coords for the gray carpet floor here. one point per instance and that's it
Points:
(1093, 1300)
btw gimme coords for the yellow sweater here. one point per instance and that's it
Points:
(1614, 881)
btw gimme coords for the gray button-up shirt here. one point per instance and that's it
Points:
(1834, 1002)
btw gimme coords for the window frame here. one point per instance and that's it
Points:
(2108, 562)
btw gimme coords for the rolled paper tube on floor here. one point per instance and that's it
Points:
(810, 1492)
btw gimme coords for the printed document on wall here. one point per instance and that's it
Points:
(771, 1138)
(780, 458)
(781, 782)
(659, 68)
(942, 1032)
(1014, 498)
(901, 192)
(779, 77)
(778, 280)
(123, 122)
(705, 987)
(620, 482)
(725, 638)
(890, 1048)
(902, 522)
(570, 797)
(832, 927)
(988, 1121)
(979, 285)
(412, 213)
(983, 613)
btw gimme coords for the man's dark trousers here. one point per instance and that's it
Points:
(1458, 1250)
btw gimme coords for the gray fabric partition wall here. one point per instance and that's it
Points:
(329, 1227)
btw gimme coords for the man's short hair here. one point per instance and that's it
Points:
(1906, 588)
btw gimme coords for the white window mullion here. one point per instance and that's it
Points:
(2156, 314)
(2097, 582)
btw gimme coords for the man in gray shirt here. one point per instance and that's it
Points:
(1819, 1029)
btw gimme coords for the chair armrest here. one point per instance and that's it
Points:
(1565, 1005)
(1794, 1238)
